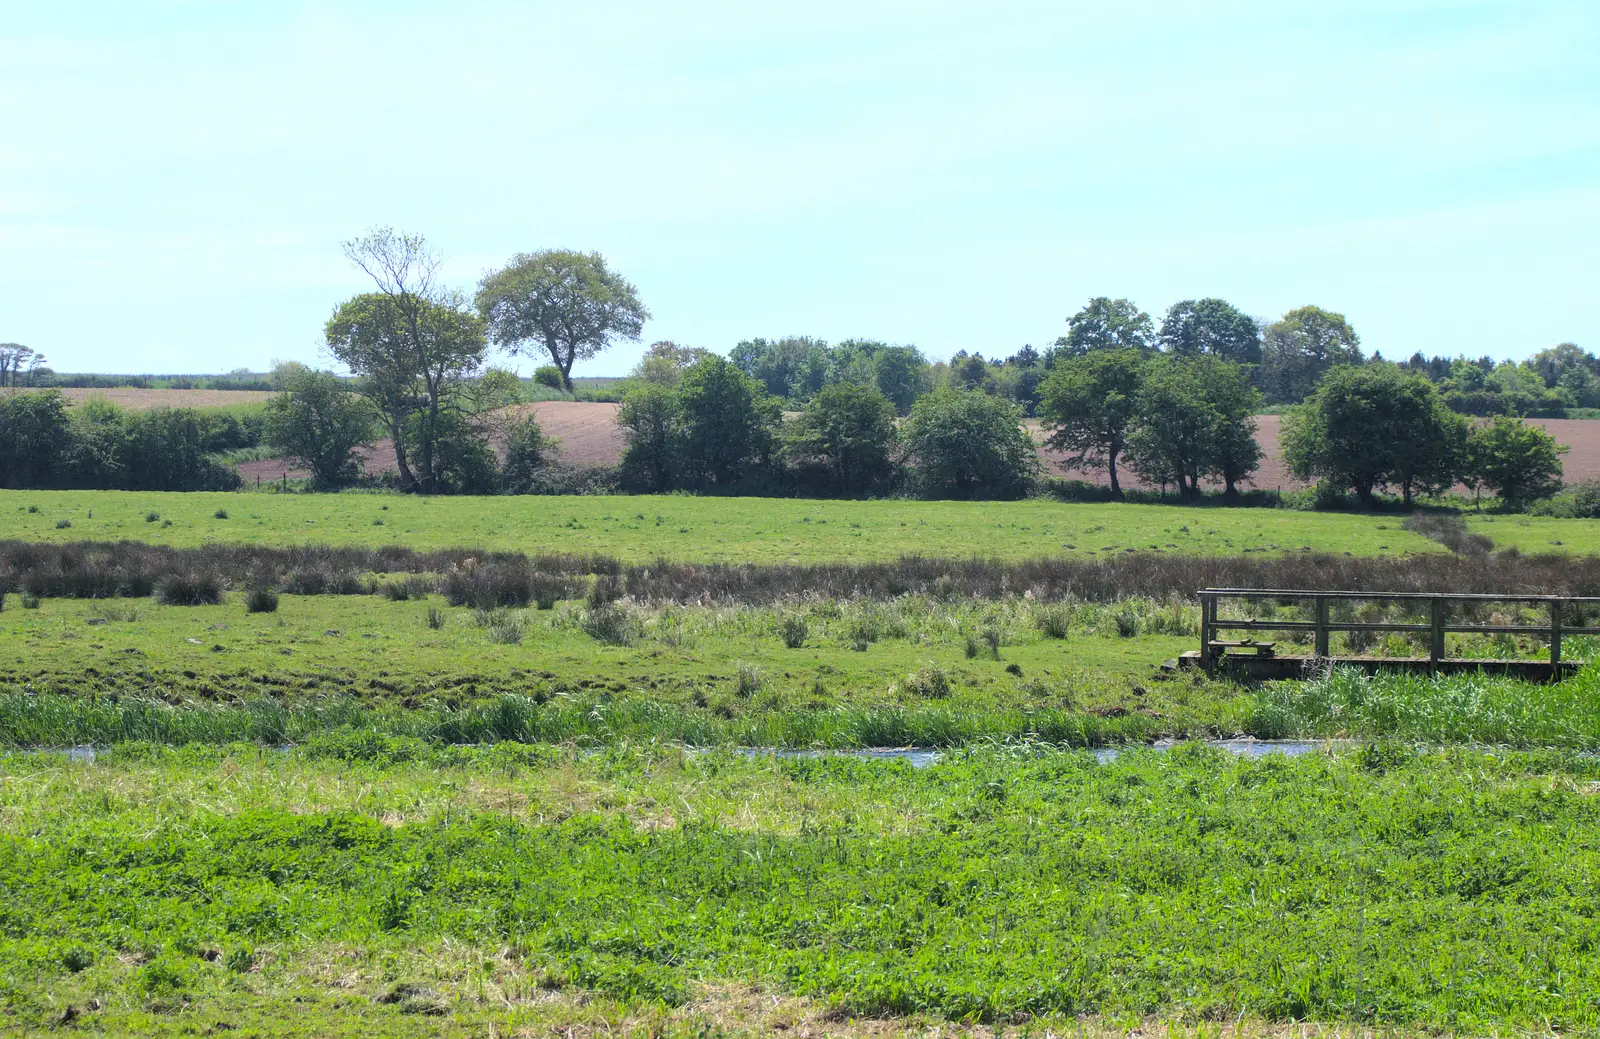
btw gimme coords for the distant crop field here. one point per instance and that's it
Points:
(142, 400)
(735, 530)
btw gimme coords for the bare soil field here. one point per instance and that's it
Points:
(142, 400)
(589, 435)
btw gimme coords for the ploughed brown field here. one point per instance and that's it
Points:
(588, 435)
(587, 432)
(142, 400)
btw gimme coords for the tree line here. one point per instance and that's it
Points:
(1174, 403)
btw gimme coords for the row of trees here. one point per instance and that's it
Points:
(20, 365)
(96, 445)
(1284, 359)
(1382, 427)
(712, 427)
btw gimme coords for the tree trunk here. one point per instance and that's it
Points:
(397, 437)
(1111, 468)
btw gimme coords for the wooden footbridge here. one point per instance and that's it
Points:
(1250, 658)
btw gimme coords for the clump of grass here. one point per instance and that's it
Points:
(1053, 621)
(613, 625)
(411, 586)
(30, 601)
(747, 682)
(436, 618)
(192, 589)
(506, 631)
(220, 514)
(991, 639)
(605, 590)
(152, 517)
(928, 682)
(261, 599)
(33, 509)
(63, 524)
(1127, 621)
(793, 629)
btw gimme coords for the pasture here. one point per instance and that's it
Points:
(681, 527)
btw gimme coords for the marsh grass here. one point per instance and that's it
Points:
(1439, 709)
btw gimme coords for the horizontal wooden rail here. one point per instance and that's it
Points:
(1437, 627)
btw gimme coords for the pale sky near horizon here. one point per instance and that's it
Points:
(175, 178)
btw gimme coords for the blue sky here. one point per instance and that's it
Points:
(175, 178)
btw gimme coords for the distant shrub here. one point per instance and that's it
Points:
(63, 524)
(548, 375)
(411, 586)
(30, 601)
(261, 600)
(192, 589)
(1586, 500)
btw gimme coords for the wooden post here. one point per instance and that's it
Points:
(1322, 626)
(1436, 649)
(1208, 606)
(1555, 635)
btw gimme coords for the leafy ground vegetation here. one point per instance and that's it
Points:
(367, 886)
(743, 530)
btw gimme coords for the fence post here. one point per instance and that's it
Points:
(1555, 635)
(1208, 606)
(1322, 626)
(1436, 646)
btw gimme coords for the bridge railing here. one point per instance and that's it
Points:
(1436, 627)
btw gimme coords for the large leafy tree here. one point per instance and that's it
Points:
(1211, 326)
(564, 304)
(1108, 324)
(1195, 421)
(728, 422)
(847, 432)
(1088, 404)
(969, 445)
(1299, 347)
(1518, 461)
(416, 348)
(1375, 426)
(319, 421)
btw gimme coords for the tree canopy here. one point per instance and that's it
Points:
(1088, 403)
(1211, 326)
(969, 445)
(569, 305)
(1108, 324)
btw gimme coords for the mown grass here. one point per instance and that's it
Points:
(510, 887)
(698, 529)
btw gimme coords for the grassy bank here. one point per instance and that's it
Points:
(158, 892)
(643, 528)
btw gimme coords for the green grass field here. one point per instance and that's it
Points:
(366, 816)
(1538, 534)
(381, 888)
(755, 530)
